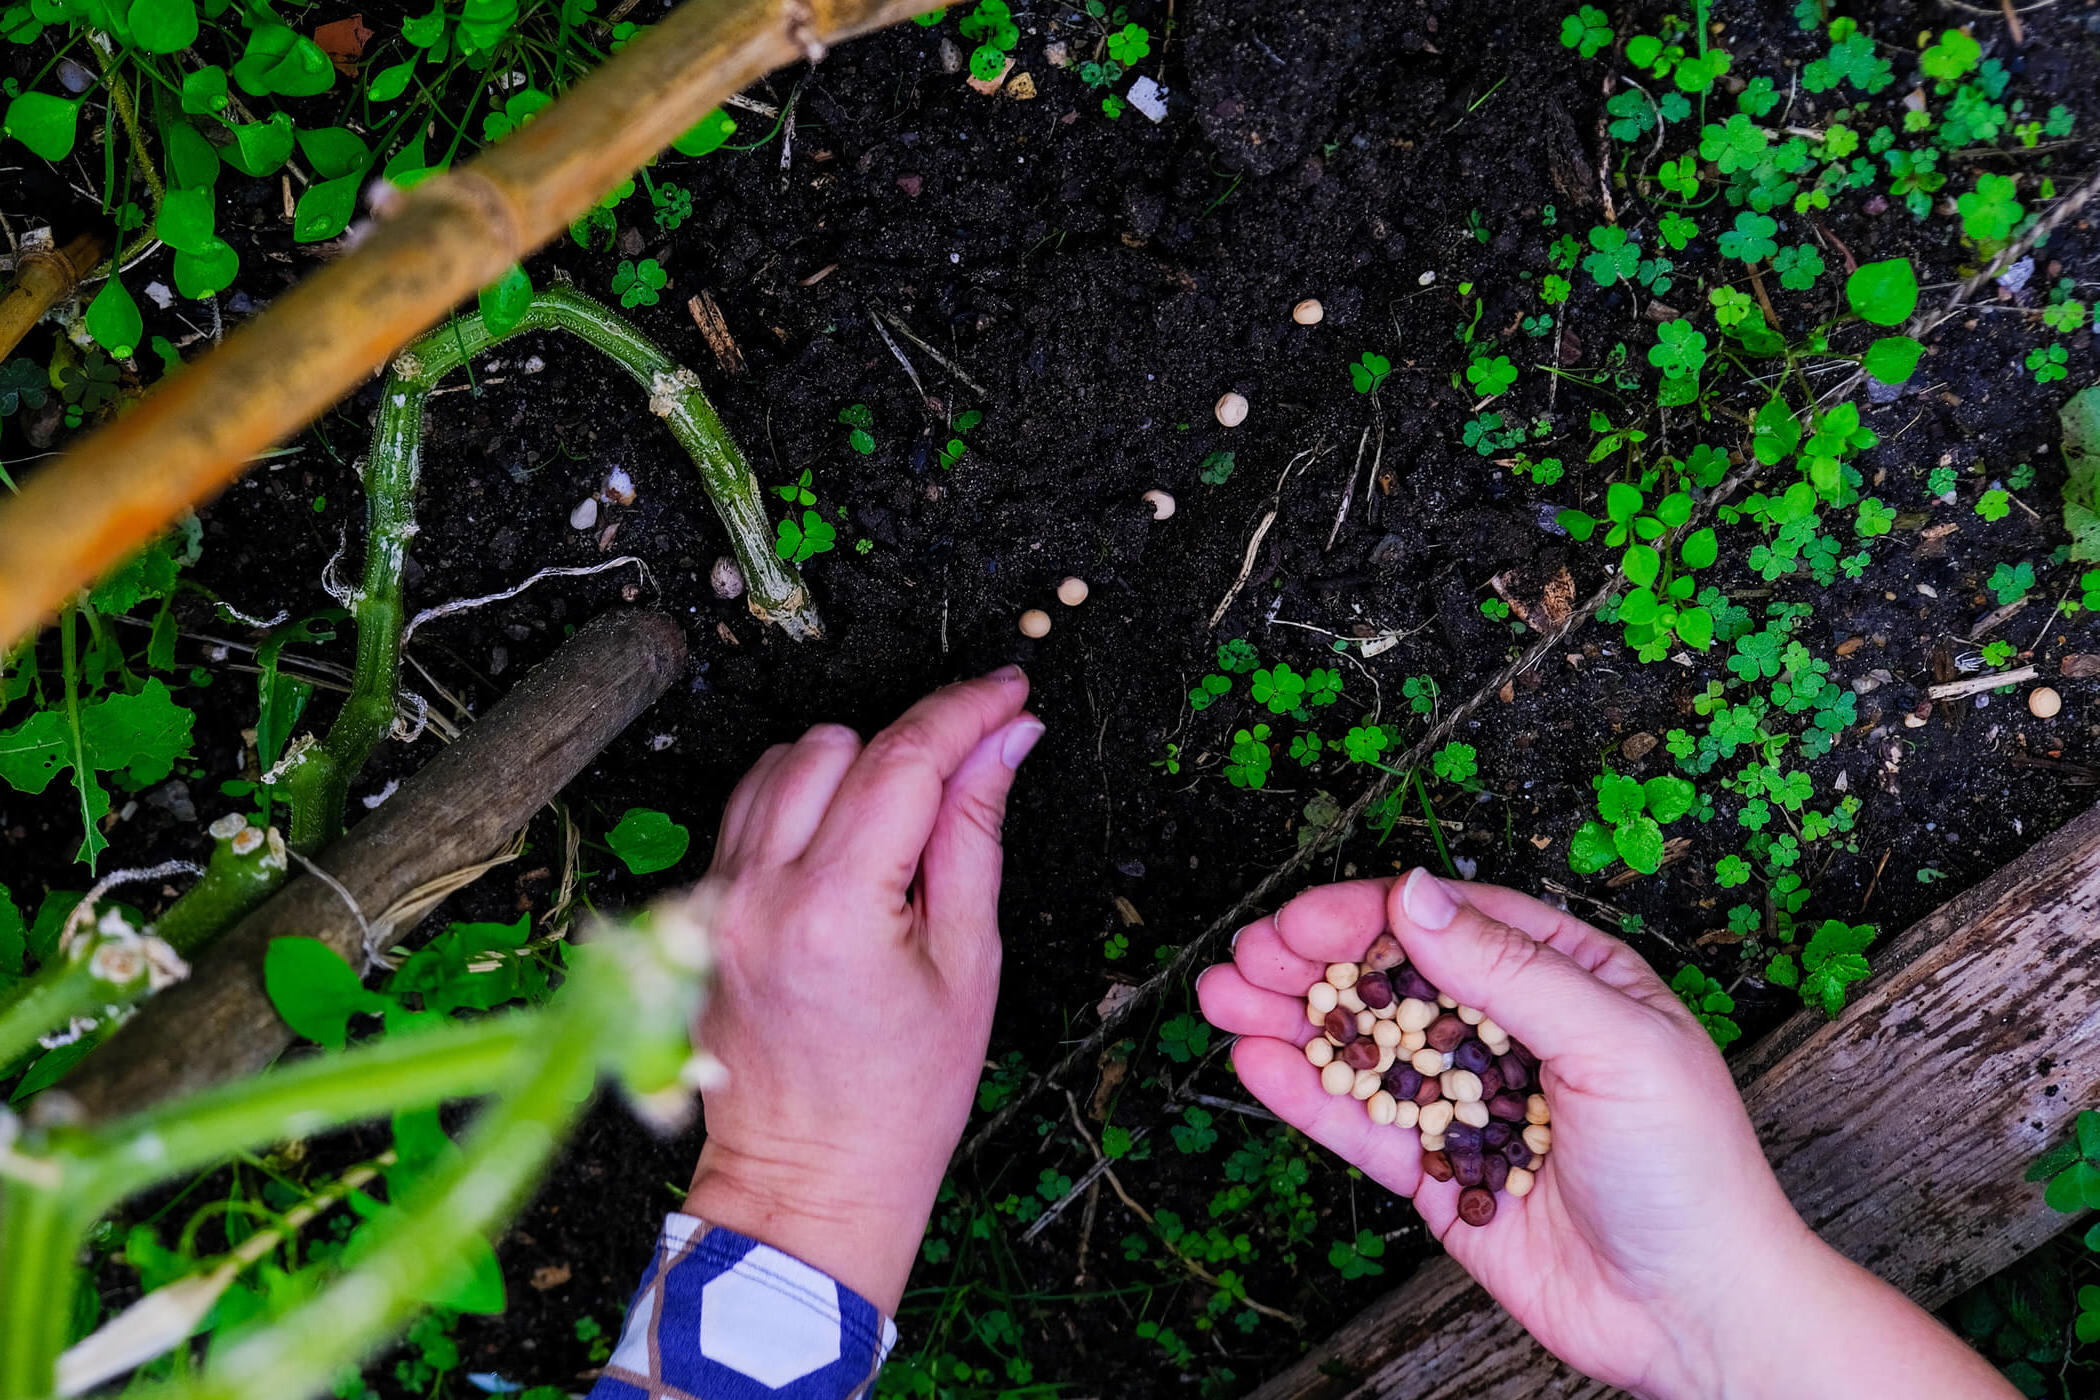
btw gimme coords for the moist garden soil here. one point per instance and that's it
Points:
(1104, 281)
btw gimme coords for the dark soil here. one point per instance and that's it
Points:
(1104, 282)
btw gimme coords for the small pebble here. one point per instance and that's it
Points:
(1231, 409)
(1337, 1078)
(2043, 702)
(1519, 1182)
(1308, 312)
(1162, 504)
(1476, 1205)
(1320, 1051)
(1035, 623)
(1072, 592)
(585, 515)
(726, 579)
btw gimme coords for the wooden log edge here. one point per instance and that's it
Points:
(460, 808)
(1900, 1130)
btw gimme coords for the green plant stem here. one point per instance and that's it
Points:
(127, 115)
(61, 990)
(1436, 830)
(38, 1231)
(233, 883)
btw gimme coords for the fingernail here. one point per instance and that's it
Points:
(1427, 903)
(1020, 738)
(1007, 675)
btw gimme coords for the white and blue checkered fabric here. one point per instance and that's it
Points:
(720, 1316)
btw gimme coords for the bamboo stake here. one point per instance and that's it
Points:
(450, 236)
(42, 277)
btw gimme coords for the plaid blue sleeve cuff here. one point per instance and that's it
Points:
(720, 1316)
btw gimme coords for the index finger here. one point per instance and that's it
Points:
(885, 808)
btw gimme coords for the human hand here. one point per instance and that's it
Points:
(1656, 1251)
(853, 902)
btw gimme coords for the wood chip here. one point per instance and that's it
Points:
(707, 315)
(1976, 685)
(1638, 746)
(2079, 667)
(1850, 645)
(548, 1276)
(1127, 912)
(1022, 88)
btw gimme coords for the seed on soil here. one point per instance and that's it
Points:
(1320, 1051)
(1035, 623)
(1072, 592)
(1162, 504)
(585, 515)
(1337, 1078)
(1476, 1205)
(1231, 409)
(1308, 312)
(726, 579)
(2043, 702)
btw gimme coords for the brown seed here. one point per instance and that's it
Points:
(1514, 1075)
(1445, 1032)
(1476, 1205)
(1428, 1093)
(1490, 1083)
(1507, 1106)
(1359, 1054)
(1385, 952)
(1436, 1166)
(1494, 1170)
(1403, 1080)
(1308, 312)
(1340, 1026)
(1376, 991)
(1466, 1167)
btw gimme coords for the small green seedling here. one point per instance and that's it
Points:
(798, 492)
(1369, 372)
(637, 283)
(1216, 468)
(1834, 959)
(1710, 1002)
(1633, 815)
(858, 418)
(2049, 363)
(952, 451)
(647, 841)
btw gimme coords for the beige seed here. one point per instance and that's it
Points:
(1364, 1021)
(1415, 1014)
(1427, 1061)
(1231, 409)
(1385, 1059)
(1444, 1000)
(1382, 1107)
(1352, 1001)
(1342, 975)
(1410, 1113)
(1432, 1142)
(1323, 998)
(1536, 1111)
(1072, 592)
(2043, 703)
(1366, 1084)
(1539, 1138)
(1411, 1041)
(1162, 504)
(1035, 623)
(1461, 1084)
(1386, 1034)
(1519, 1182)
(1471, 1015)
(1387, 1011)
(1320, 1052)
(1337, 1078)
(1497, 1048)
(1474, 1114)
(1490, 1032)
(1436, 1117)
(1308, 312)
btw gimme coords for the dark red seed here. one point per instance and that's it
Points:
(1385, 953)
(1410, 983)
(1494, 1171)
(1476, 1205)
(1490, 1082)
(1467, 1167)
(1515, 1073)
(1523, 1052)
(1462, 1137)
(1429, 1093)
(1341, 1025)
(1360, 1054)
(1402, 1080)
(1437, 1165)
(1518, 1154)
(1445, 1032)
(1496, 1133)
(1507, 1106)
(1472, 1055)
(1376, 991)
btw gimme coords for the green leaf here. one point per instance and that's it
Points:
(1893, 358)
(187, 220)
(390, 83)
(204, 91)
(1642, 564)
(44, 123)
(1775, 432)
(2053, 1161)
(315, 991)
(1592, 849)
(279, 60)
(1621, 502)
(1579, 524)
(334, 151)
(1695, 627)
(208, 271)
(2067, 1193)
(163, 26)
(1640, 844)
(141, 734)
(2089, 1135)
(1700, 548)
(325, 209)
(1883, 292)
(424, 31)
(648, 841)
(1669, 797)
(472, 1284)
(260, 147)
(505, 300)
(193, 163)
(707, 135)
(1619, 797)
(113, 320)
(1639, 608)
(14, 938)
(2080, 419)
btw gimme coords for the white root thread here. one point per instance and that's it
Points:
(261, 624)
(294, 755)
(460, 605)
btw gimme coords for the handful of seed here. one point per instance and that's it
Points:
(1417, 1059)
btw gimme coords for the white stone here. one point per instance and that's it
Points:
(1150, 98)
(741, 1318)
(586, 513)
(159, 295)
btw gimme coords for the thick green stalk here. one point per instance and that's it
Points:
(247, 865)
(38, 1231)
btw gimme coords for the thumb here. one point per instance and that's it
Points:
(959, 872)
(1533, 991)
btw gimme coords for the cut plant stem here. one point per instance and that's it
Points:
(43, 275)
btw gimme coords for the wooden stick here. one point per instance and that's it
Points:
(41, 277)
(463, 805)
(451, 235)
(1992, 1002)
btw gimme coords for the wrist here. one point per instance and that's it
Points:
(867, 1243)
(1739, 1338)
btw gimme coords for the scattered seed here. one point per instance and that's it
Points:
(1162, 504)
(1231, 409)
(2043, 702)
(1445, 1032)
(1308, 312)
(1323, 998)
(1519, 1182)
(1462, 1085)
(1072, 592)
(1035, 623)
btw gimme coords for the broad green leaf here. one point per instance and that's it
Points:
(1640, 844)
(1592, 849)
(2067, 1191)
(409, 167)
(1639, 608)
(2080, 419)
(1893, 358)
(504, 301)
(187, 220)
(648, 841)
(1695, 627)
(325, 209)
(113, 319)
(2089, 1135)
(424, 31)
(208, 271)
(44, 123)
(204, 91)
(193, 163)
(282, 61)
(1674, 509)
(314, 990)
(163, 26)
(1619, 797)
(708, 135)
(1581, 525)
(1621, 502)
(334, 151)
(1883, 292)
(1775, 433)
(260, 147)
(1700, 548)
(474, 1284)
(1642, 564)
(1669, 797)
(390, 83)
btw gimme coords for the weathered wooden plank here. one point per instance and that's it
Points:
(460, 808)
(1900, 1130)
